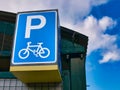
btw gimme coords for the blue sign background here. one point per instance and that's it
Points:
(47, 35)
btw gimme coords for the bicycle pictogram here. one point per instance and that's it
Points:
(42, 52)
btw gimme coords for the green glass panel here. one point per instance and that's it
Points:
(5, 53)
(6, 38)
(70, 47)
(7, 28)
(6, 75)
(66, 79)
(77, 74)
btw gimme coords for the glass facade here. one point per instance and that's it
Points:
(73, 54)
(6, 38)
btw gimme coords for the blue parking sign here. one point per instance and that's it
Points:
(36, 38)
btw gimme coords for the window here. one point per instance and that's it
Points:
(6, 40)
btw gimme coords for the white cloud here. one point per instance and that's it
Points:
(110, 55)
(106, 23)
(69, 11)
(72, 14)
(95, 29)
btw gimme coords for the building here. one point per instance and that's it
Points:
(73, 54)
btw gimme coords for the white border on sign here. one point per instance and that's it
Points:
(56, 43)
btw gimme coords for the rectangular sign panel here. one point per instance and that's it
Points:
(35, 38)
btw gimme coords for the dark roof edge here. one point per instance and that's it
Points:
(73, 31)
(74, 36)
(7, 16)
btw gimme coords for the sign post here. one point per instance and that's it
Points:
(36, 43)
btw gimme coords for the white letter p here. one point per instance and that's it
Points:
(30, 27)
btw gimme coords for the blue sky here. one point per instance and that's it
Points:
(105, 76)
(100, 21)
